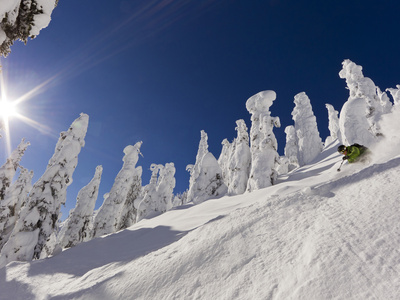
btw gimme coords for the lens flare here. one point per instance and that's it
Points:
(7, 109)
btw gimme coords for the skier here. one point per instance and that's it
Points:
(354, 153)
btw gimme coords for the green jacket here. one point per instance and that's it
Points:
(353, 153)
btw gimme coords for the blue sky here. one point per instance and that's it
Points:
(160, 71)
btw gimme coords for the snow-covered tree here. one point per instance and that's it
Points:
(180, 199)
(165, 187)
(360, 115)
(307, 134)
(149, 193)
(385, 104)
(158, 194)
(118, 210)
(78, 226)
(206, 180)
(395, 92)
(333, 124)
(291, 148)
(239, 161)
(7, 171)
(23, 19)
(38, 220)
(15, 199)
(224, 157)
(263, 144)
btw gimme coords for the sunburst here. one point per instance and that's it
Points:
(9, 109)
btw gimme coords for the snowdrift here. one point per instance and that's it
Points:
(316, 234)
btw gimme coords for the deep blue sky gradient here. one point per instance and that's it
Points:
(160, 71)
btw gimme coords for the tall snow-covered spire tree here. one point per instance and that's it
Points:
(118, 210)
(263, 144)
(78, 226)
(305, 124)
(206, 180)
(7, 171)
(15, 199)
(158, 194)
(360, 115)
(333, 125)
(38, 220)
(21, 19)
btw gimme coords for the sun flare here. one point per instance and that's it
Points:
(7, 109)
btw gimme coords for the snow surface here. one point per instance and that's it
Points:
(316, 234)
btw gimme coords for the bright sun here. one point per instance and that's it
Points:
(7, 109)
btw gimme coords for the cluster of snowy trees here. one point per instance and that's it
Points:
(30, 226)
(30, 215)
(23, 19)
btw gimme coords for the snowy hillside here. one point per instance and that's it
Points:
(316, 234)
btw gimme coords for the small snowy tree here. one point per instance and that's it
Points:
(263, 144)
(21, 19)
(206, 180)
(360, 115)
(223, 159)
(333, 126)
(118, 211)
(165, 188)
(239, 162)
(38, 220)
(180, 199)
(384, 101)
(307, 134)
(291, 148)
(395, 92)
(149, 194)
(15, 199)
(7, 171)
(78, 226)
(158, 194)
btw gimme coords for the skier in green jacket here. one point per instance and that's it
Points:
(353, 153)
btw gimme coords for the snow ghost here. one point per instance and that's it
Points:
(263, 144)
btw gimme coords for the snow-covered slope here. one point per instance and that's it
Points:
(316, 234)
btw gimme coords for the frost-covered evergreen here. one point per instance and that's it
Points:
(307, 134)
(180, 199)
(385, 104)
(395, 92)
(8, 170)
(239, 161)
(206, 180)
(263, 144)
(78, 226)
(118, 210)
(291, 148)
(158, 194)
(15, 199)
(38, 220)
(165, 187)
(360, 115)
(21, 19)
(333, 126)
(223, 159)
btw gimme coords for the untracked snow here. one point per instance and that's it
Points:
(316, 234)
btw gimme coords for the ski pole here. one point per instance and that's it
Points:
(340, 166)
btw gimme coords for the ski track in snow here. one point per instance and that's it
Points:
(319, 234)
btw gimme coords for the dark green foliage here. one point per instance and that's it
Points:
(19, 28)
